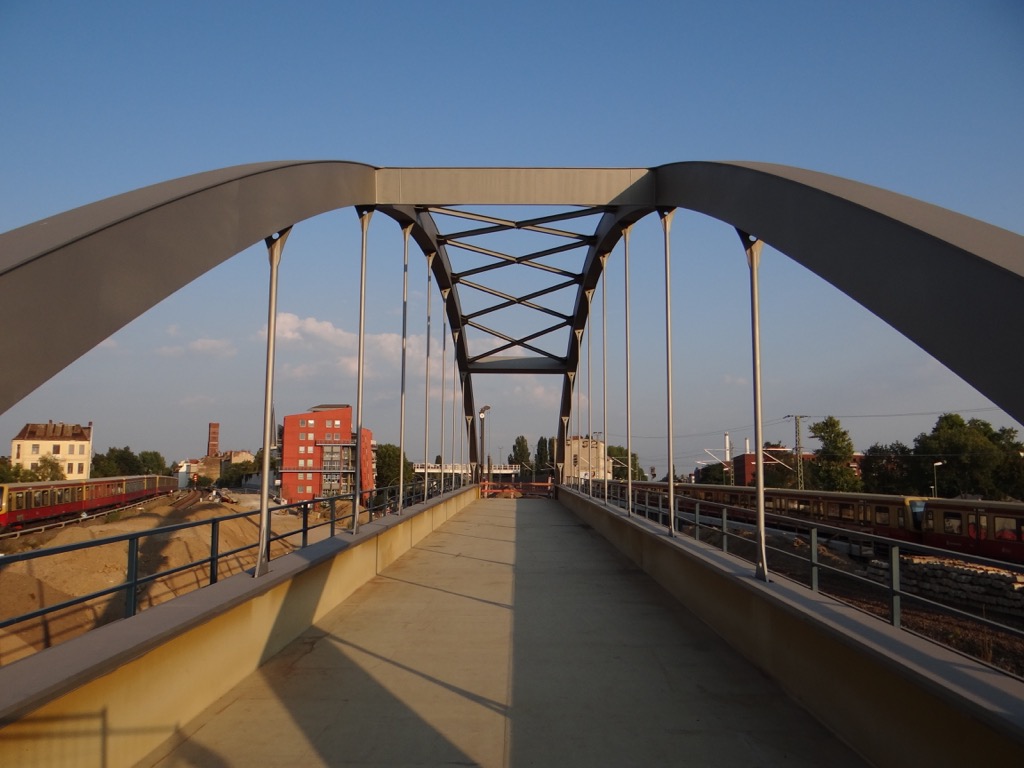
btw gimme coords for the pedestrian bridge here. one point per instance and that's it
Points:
(496, 632)
(505, 632)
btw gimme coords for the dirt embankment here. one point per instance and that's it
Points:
(31, 585)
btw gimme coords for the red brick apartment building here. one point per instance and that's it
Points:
(318, 454)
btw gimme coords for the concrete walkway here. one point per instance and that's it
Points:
(513, 636)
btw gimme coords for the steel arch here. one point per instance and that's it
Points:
(951, 284)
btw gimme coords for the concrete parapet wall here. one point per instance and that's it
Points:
(112, 696)
(895, 698)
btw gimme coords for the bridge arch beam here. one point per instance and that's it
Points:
(951, 284)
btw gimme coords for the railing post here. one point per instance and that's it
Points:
(894, 584)
(696, 520)
(214, 549)
(305, 523)
(131, 598)
(725, 530)
(334, 513)
(814, 559)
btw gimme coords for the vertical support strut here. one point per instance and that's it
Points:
(364, 220)
(590, 398)
(469, 421)
(666, 225)
(275, 247)
(629, 375)
(752, 246)
(455, 370)
(444, 374)
(469, 431)
(604, 372)
(426, 389)
(406, 230)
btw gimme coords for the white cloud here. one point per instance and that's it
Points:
(292, 328)
(544, 396)
(300, 371)
(218, 347)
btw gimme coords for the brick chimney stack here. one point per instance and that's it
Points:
(213, 440)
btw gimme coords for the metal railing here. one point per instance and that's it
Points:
(872, 573)
(139, 549)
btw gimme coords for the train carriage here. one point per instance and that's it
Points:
(23, 503)
(990, 529)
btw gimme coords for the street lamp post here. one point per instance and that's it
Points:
(935, 478)
(483, 442)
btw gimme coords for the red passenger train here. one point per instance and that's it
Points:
(993, 529)
(24, 503)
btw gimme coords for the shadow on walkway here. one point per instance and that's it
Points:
(512, 636)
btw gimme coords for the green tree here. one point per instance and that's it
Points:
(388, 466)
(15, 473)
(779, 471)
(976, 460)
(618, 454)
(50, 468)
(889, 469)
(116, 462)
(258, 461)
(234, 475)
(153, 463)
(832, 466)
(543, 458)
(709, 474)
(521, 455)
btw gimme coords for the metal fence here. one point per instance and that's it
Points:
(140, 550)
(970, 604)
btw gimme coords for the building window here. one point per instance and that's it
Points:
(337, 423)
(302, 435)
(71, 469)
(81, 449)
(302, 449)
(56, 449)
(81, 468)
(302, 422)
(35, 449)
(312, 422)
(17, 451)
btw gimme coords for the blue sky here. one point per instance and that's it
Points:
(923, 98)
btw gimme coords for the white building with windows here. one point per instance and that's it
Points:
(69, 444)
